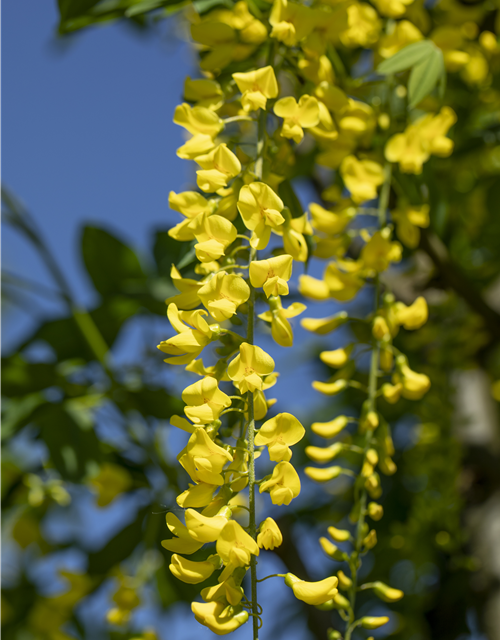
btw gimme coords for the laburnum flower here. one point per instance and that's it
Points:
(219, 617)
(223, 294)
(330, 388)
(197, 495)
(272, 274)
(217, 167)
(324, 454)
(269, 536)
(193, 333)
(291, 22)
(323, 475)
(203, 459)
(235, 548)
(330, 429)
(332, 222)
(204, 401)
(363, 26)
(283, 485)
(187, 299)
(425, 137)
(413, 385)
(392, 8)
(278, 434)
(198, 145)
(293, 231)
(414, 316)
(323, 326)
(257, 87)
(380, 251)
(342, 280)
(361, 177)
(206, 93)
(260, 209)
(278, 317)
(198, 120)
(404, 33)
(336, 358)
(213, 234)
(191, 204)
(408, 219)
(183, 542)
(227, 591)
(193, 572)
(297, 116)
(204, 529)
(249, 367)
(314, 593)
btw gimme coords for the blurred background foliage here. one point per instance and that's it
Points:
(89, 471)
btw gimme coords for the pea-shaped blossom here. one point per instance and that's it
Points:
(226, 591)
(323, 326)
(197, 495)
(409, 220)
(361, 177)
(217, 168)
(283, 485)
(314, 593)
(272, 274)
(260, 209)
(223, 294)
(248, 368)
(214, 234)
(332, 222)
(413, 316)
(380, 251)
(188, 297)
(204, 401)
(256, 86)
(235, 548)
(183, 542)
(198, 120)
(341, 281)
(198, 145)
(206, 93)
(269, 536)
(297, 116)
(281, 329)
(191, 204)
(193, 572)
(203, 459)
(278, 433)
(202, 528)
(193, 333)
(215, 616)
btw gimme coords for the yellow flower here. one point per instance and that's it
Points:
(294, 242)
(322, 326)
(324, 454)
(248, 368)
(291, 22)
(272, 275)
(278, 317)
(110, 482)
(203, 459)
(213, 234)
(330, 388)
(218, 617)
(223, 294)
(204, 529)
(193, 334)
(337, 358)
(206, 93)
(198, 120)
(386, 593)
(183, 542)
(323, 475)
(408, 219)
(269, 535)
(204, 401)
(332, 222)
(392, 8)
(414, 316)
(330, 429)
(187, 299)
(361, 177)
(314, 593)
(235, 548)
(256, 86)
(339, 283)
(284, 484)
(260, 209)
(198, 145)
(217, 167)
(379, 251)
(278, 433)
(414, 385)
(191, 204)
(198, 495)
(372, 622)
(227, 591)
(297, 116)
(193, 572)
(363, 26)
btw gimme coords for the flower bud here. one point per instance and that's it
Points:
(380, 330)
(340, 602)
(372, 484)
(332, 634)
(372, 622)
(375, 511)
(330, 429)
(322, 475)
(372, 456)
(331, 549)
(269, 534)
(330, 388)
(339, 535)
(344, 582)
(386, 593)
(366, 469)
(386, 359)
(392, 392)
(387, 466)
(321, 454)
(370, 540)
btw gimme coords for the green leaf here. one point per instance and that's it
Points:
(69, 9)
(406, 57)
(167, 251)
(144, 7)
(424, 77)
(111, 264)
(287, 193)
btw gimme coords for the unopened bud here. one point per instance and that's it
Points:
(386, 593)
(344, 582)
(372, 622)
(331, 549)
(380, 330)
(386, 359)
(387, 466)
(330, 429)
(339, 535)
(366, 469)
(372, 456)
(322, 475)
(371, 540)
(391, 392)
(372, 485)
(340, 602)
(332, 634)
(375, 511)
